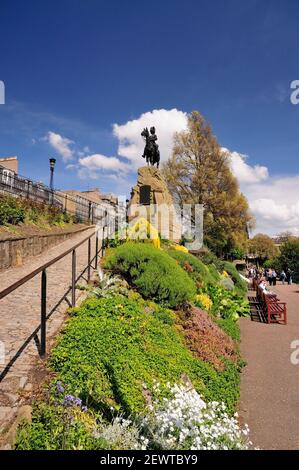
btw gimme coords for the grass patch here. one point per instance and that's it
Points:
(112, 351)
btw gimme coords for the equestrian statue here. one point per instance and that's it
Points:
(151, 150)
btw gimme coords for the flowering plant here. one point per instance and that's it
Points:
(184, 421)
(144, 230)
(204, 301)
(181, 248)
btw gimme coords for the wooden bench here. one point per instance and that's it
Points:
(274, 309)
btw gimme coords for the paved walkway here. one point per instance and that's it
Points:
(20, 315)
(270, 382)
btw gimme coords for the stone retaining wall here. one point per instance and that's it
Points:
(13, 252)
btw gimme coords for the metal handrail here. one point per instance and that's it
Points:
(76, 205)
(72, 289)
(34, 273)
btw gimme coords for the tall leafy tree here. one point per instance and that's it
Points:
(289, 257)
(199, 173)
(263, 247)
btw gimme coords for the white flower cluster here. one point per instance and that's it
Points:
(122, 434)
(185, 421)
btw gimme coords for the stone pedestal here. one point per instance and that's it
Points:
(151, 200)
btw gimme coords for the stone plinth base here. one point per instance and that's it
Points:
(159, 209)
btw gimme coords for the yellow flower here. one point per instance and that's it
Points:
(181, 248)
(224, 274)
(204, 301)
(142, 230)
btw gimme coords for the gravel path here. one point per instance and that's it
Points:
(20, 315)
(270, 382)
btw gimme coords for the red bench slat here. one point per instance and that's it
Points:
(272, 306)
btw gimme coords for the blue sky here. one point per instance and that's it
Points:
(74, 68)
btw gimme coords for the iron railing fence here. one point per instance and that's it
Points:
(92, 264)
(82, 209)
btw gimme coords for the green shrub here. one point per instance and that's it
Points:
(228, 304)
(195, 268)
(16, 210)
(77, 219)
(11, 212)
(153, 272)
(289, 257)
(240, 285)
(227, 283)
(209, 258)
(67, 218)
(113, 350)
(214, 273)
(230, 327)
(56, 428)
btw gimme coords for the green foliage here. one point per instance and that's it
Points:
(214, 273)
(77, 219)
(230, 327)
(119, 239)
(11, 212)
(208, 258)
(263, 247)
(113, 348)
(240, 285)
(228, 304)
(106, 286)
(195, 267)
(237, 253)
(153, 272)
(55, 428)
(289, 257)
(194, 177)
(67, 218)
(16, 210)
(227, 283)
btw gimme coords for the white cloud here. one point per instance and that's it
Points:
(131, 144)
(166, 122)
(100, 162)
(243, 171)
(62, 145)
(273, 200)
(275, 204)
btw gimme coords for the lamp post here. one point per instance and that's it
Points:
(52, 166)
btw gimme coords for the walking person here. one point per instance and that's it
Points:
(283, 277)
(274, 277)
(270, 277)
(289, 276)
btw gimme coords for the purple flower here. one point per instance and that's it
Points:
(78, 402)
(70, 400)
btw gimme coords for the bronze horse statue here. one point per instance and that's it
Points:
(151, 151)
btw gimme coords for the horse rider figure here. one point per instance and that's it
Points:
(151, 151)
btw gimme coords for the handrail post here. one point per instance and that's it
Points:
(65, 203)
(103, 242)
(89, 212)
(73, 278)
(89, 255)
(97, 250)
(43, 332)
